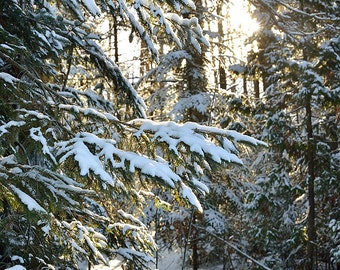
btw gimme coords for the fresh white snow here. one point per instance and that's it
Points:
(3, 128)
(16, 267)
(37, 135)
(8, 78)
(31, 204)
(92, 7)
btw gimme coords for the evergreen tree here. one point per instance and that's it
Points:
(190, 89)
(76, 168)
(301, 101)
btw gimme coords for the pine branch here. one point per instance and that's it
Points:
(30, 75)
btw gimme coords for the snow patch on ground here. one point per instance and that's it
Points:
(168, 260)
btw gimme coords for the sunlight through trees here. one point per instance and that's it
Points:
(132, 128)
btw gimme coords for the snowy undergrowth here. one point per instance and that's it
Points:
(168, 260)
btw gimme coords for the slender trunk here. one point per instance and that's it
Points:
(194, 245)
(310, 158)
(69, 64)
(115, 39)
(195, 72)
(188, 237)
(311, 164)
(257, 88)
(245, 89)
(156, 236)
(264, 81)
(222, 76)
(195, 261)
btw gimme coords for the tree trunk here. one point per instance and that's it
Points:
(310, 158)
(222, 76)
(245, 89)
(256, 88)
(115, 39)
(194, 245)
(192, 217)
(156, 237)
(195, 261)
(264, 81)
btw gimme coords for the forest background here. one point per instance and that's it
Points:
(217, 139)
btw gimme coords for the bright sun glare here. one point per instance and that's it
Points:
(241, 19)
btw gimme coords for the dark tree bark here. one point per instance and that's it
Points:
(245, 88)
(256, 88)
(115, 38)
(223, 77)
(310, 158)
